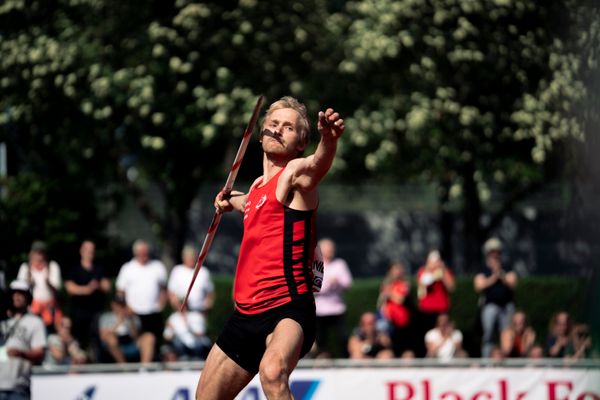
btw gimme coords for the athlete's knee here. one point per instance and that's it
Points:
(274, 375)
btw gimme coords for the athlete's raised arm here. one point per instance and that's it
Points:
(308, 171)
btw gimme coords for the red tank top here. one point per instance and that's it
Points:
(273, 266)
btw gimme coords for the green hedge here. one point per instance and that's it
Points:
(539, 297)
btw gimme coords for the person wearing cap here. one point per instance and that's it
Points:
(496, 285)
(22, 344)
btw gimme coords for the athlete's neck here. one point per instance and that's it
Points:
(271, 166)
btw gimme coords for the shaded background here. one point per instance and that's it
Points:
(465, 119)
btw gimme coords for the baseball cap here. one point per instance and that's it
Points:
(19, 286)
(492, 244)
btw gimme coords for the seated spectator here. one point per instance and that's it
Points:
(143, 283)
(580, 345)
(435, 283)
(444, 342)
(369, 342)
(186, 334)
(518, 338)
(536, 352)
(87, 285)
(496, 355)
(393, 304)
(202, 296)
(45, 278)
(559, 337)
(63, 348)
(120, 334)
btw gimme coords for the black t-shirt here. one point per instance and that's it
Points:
(91, 303)
(499, 293)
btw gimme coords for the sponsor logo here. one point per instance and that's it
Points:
(500, 390)
(262, 201)
(301, 390)
(88, 394)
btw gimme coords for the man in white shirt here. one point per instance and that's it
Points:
(202, 296)
(142, 281)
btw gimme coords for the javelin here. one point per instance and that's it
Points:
(226, 190)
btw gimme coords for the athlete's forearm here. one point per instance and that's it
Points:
(324, 155)
(238, 201)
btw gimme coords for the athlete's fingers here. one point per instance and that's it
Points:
(333, 117)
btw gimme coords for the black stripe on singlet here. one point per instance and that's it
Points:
(290, 217)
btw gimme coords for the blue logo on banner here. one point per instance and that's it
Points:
(301, 390)
(88, 394)
(304, 390)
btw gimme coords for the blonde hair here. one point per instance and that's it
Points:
(303, 124)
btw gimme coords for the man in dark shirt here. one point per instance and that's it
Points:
(87, 285)
(496, 286)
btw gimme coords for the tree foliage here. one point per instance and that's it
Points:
(474, 95)
(102, 97)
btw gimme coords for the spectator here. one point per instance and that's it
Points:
(45, 278)
(142, 281)
(496, 286)
(186, 334)
(435, 283)
(560, 332)
(518, 338)
(393, 303)
(63, 348)
(23, 342)
(202, 295)
(367, 341)
(444, 342)
(536, 352)
(580, 345)
(120, 334)
(330, 305)
(496, 355)
(87, 285)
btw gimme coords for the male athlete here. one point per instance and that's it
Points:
(273, 324)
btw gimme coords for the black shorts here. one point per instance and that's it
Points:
(244, 336)
(152, 323)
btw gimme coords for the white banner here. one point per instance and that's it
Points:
(346, 383)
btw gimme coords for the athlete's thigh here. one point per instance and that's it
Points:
(285, 343)
(221, 378)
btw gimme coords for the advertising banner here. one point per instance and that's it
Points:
(344, 383)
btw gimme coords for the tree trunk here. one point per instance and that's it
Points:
(471, 215)
(446, 224)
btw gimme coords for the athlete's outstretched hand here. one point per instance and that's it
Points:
(330, 124)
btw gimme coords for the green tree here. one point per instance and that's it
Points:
(476, 96)
(151, 96)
